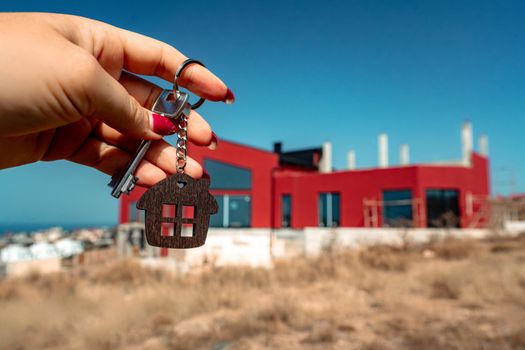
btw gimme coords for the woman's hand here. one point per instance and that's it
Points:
(67, 92)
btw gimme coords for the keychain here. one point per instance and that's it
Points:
(179, 191)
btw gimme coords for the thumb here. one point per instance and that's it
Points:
(113, 105)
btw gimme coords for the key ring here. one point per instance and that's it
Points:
(179, 71)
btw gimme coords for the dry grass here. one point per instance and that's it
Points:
(386, 258)
(469, 295)
(455, 249)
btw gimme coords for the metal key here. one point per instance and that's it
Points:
(168, 104)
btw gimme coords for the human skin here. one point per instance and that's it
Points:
(68, 90)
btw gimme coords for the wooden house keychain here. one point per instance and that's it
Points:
(177, 191)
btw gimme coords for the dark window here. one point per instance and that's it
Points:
(286, 210)
(442, 208)
(135, 215)
(228, 177)
(329, 209)
(234, 211)
(397, 208)
(239, 211)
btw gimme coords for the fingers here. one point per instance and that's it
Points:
(110, 159)
(144, 55)
(199, 131)
(67, 139)
(164, 156)
(160, 153)
(142, 90)
(112, 104)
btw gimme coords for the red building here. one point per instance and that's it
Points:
(265, 189)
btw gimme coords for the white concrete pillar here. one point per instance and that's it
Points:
(351, 160)
(484, 145)
(383, 150)
(404, 154)
(467, 142)
(325, 165)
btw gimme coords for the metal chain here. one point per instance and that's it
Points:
(181, 143)
(183, 121)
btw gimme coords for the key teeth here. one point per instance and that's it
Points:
(132, 184)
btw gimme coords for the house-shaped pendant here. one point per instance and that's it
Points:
(191, 205)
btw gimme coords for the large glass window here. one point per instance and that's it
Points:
(329, 209)
(239, 211)
(443, 208)
(228, 177)
(397, 208)
(286, 210)
(234, 211)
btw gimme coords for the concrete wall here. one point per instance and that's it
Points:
(233, 247)
(246, 247)
(318, 239)
(516, 227)
(260, 247)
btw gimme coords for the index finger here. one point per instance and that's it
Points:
(144, 55)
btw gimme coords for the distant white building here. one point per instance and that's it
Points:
(15, 253)
(44, 250)
(67, 247)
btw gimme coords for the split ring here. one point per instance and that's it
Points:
(179, 71)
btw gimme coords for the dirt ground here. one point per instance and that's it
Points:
(455, 294)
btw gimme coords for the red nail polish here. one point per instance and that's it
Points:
(163, 125)
(214, 142)
(229, 98)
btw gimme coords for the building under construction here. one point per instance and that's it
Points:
(297, 189)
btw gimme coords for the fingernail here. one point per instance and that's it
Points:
(229, 98)
(163, 125)
(214, 142)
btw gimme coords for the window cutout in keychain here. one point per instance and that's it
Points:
(168, 211)
(188, 219)
(187, 231)
(167, 228)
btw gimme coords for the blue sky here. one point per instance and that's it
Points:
(305, 72)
